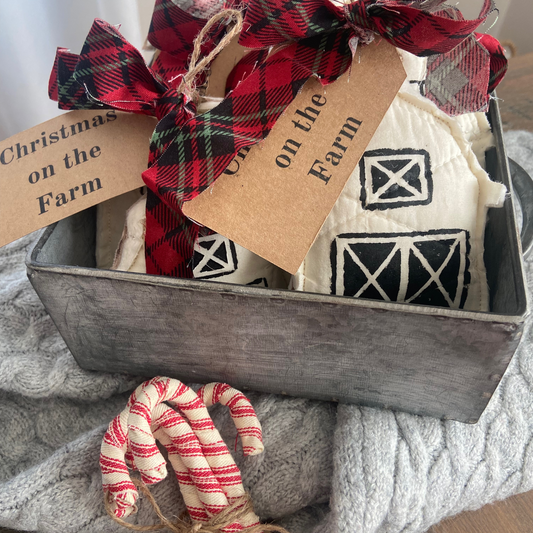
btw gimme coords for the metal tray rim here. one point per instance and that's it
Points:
(33, 264)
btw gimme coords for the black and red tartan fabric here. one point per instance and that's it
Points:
(189, 152)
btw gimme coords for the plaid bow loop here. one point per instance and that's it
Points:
(278, 21)
(413, 26)
(172, 31)
(109, 73)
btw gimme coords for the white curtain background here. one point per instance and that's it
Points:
(30, 32)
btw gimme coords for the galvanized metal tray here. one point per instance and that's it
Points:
(425, 360)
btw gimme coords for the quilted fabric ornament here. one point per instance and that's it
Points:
(110, 219)
(410, 223)
(216, 258)
(168, 411)
(188, 153)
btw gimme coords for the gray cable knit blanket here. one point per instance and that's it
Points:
(326, 468)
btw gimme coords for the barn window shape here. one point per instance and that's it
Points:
(392, 179)
(426, 268)
(214, 256)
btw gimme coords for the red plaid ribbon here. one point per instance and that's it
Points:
(189, 152)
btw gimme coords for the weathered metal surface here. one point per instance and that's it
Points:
(423, 360)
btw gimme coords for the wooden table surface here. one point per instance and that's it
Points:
(514, 515)
(516, 94)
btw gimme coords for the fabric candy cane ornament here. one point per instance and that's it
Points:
(168, 411)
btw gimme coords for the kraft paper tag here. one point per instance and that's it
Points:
(274, 198)
(222, 67)
(68, 164)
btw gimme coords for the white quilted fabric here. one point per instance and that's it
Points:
(409, 225)
(110, 219)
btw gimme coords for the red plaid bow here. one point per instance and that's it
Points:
(188, 152)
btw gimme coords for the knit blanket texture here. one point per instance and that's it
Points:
(326, 468)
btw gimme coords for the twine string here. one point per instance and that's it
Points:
(235, 512)
(187, 85)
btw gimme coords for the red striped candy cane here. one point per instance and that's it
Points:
(217, 492)
(118, 487)
(215, 450)
(115, 452)
(208, 476)
(165, 417)
(197, 482)
(114, 448)
(242, 412)
(130, 437)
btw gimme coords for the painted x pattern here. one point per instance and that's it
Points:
(435, 275)
(208, 255)
(397, 178)
(406, 245)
